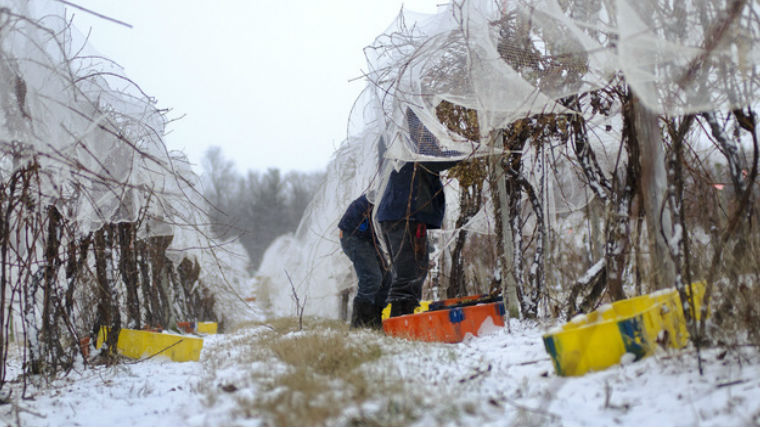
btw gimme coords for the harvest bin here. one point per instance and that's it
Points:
(199, 327)
(634, 327)
(141, 343)
(451, 323)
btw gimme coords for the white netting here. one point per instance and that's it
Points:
(94, 133)
(98, 141)
(312, 258)
(507, 60)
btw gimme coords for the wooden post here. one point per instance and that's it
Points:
(654, 181)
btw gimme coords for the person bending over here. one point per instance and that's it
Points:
(359, 243)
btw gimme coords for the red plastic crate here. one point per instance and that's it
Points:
(449, 325)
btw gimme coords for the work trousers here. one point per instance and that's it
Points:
(373, 279)
(407, 244)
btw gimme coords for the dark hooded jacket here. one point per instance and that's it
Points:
(415, 191)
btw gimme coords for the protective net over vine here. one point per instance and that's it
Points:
(103, 146)
(102, 225)
(478, 68)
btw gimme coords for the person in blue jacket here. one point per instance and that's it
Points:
(412, 203)
(359, 242)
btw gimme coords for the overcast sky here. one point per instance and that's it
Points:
(266, 80)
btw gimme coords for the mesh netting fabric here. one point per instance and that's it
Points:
(97, 140)
(96, 135)
(497, 62)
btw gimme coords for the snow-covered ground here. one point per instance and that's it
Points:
(502, 378)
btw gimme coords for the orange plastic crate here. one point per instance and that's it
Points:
(449, 325)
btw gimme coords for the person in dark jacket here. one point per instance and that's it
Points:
(359, 242)
(412, 203)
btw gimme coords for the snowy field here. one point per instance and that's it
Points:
(501, 378)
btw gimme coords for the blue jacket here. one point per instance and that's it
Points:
(415, 192)
(357, 220)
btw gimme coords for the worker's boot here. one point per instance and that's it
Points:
(362, 315)
(377, 317)
(402, 307)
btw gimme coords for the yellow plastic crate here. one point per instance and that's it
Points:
(633, 326)
(142, 343)
(206, 327)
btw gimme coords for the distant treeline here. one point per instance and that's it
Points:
(255, 208)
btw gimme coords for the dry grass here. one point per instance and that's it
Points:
(290, 324)
(319, 376)
(327, 353)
